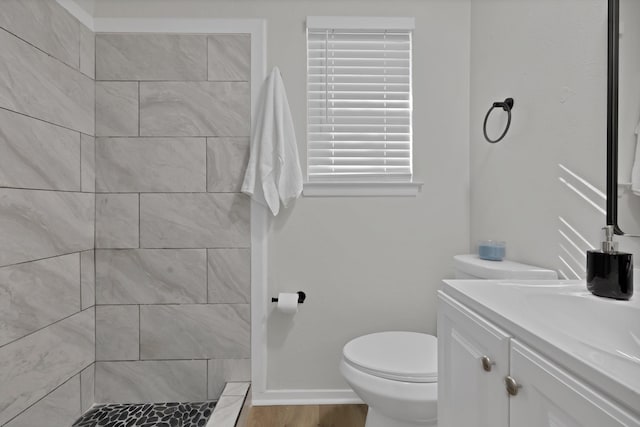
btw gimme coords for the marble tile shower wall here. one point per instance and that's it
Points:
(47, 209)
(172, 229)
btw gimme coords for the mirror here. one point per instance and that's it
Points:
(623, 151)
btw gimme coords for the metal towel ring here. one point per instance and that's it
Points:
(507, 106)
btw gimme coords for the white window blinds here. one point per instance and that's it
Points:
(359, 105)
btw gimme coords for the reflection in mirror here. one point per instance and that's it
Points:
(629, 118)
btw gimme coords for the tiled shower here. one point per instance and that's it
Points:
(125, 254)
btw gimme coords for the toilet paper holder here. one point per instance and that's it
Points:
(301, 297)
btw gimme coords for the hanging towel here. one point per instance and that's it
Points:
(273, 173)
(635, 170)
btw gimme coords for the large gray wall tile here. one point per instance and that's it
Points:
(194, 109)
(87, 51)
(117, 220)
(151, 57)
(116, 108)
(222, 371)
(46, 102)
(35, 84)
(87, 387)
(198, 220)
(151, 164)
(39, 224)
(151, 276)
(36, 154)
(229, 57)
(151, 381)
(36, 294)
(227, 160)
(44, 24)
(117, 332)
(229, 275)
(88, 278)
(38, 363)
(88, 164)
(194, 331)
(155, 107)
(61, 407)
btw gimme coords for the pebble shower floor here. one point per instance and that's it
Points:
(148, 415)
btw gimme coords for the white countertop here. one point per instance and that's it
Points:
(597, 339)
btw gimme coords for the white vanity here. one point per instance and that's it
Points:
(536, 354)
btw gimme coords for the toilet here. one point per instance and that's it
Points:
(396, 372)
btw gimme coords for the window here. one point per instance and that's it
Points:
(359, 106)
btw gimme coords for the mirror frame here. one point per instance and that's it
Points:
(613, 53)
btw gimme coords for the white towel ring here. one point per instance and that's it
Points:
(506, 105)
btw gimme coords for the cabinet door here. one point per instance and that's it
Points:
(551, 397)
(468, 394)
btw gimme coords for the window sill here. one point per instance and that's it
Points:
(361, 189)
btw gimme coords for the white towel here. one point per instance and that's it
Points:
(635, 170)
(273, 174)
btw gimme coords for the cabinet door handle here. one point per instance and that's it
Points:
(487, 363)
(512, 385)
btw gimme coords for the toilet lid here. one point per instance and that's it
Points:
(400, 356)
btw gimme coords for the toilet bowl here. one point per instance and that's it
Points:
(395, 374)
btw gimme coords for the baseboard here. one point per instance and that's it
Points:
(305, 397)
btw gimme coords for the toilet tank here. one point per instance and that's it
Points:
(472, 267)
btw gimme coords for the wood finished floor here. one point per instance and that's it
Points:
(307, 416)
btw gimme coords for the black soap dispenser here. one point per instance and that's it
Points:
(609, 272)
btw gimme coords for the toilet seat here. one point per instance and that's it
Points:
(398, 356)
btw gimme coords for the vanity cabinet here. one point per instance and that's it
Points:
(488, 378)
(473, 360)
(550, 396)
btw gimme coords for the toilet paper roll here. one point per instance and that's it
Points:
(287, 303)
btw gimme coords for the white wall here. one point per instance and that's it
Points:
(550, 55)
(367, 264)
